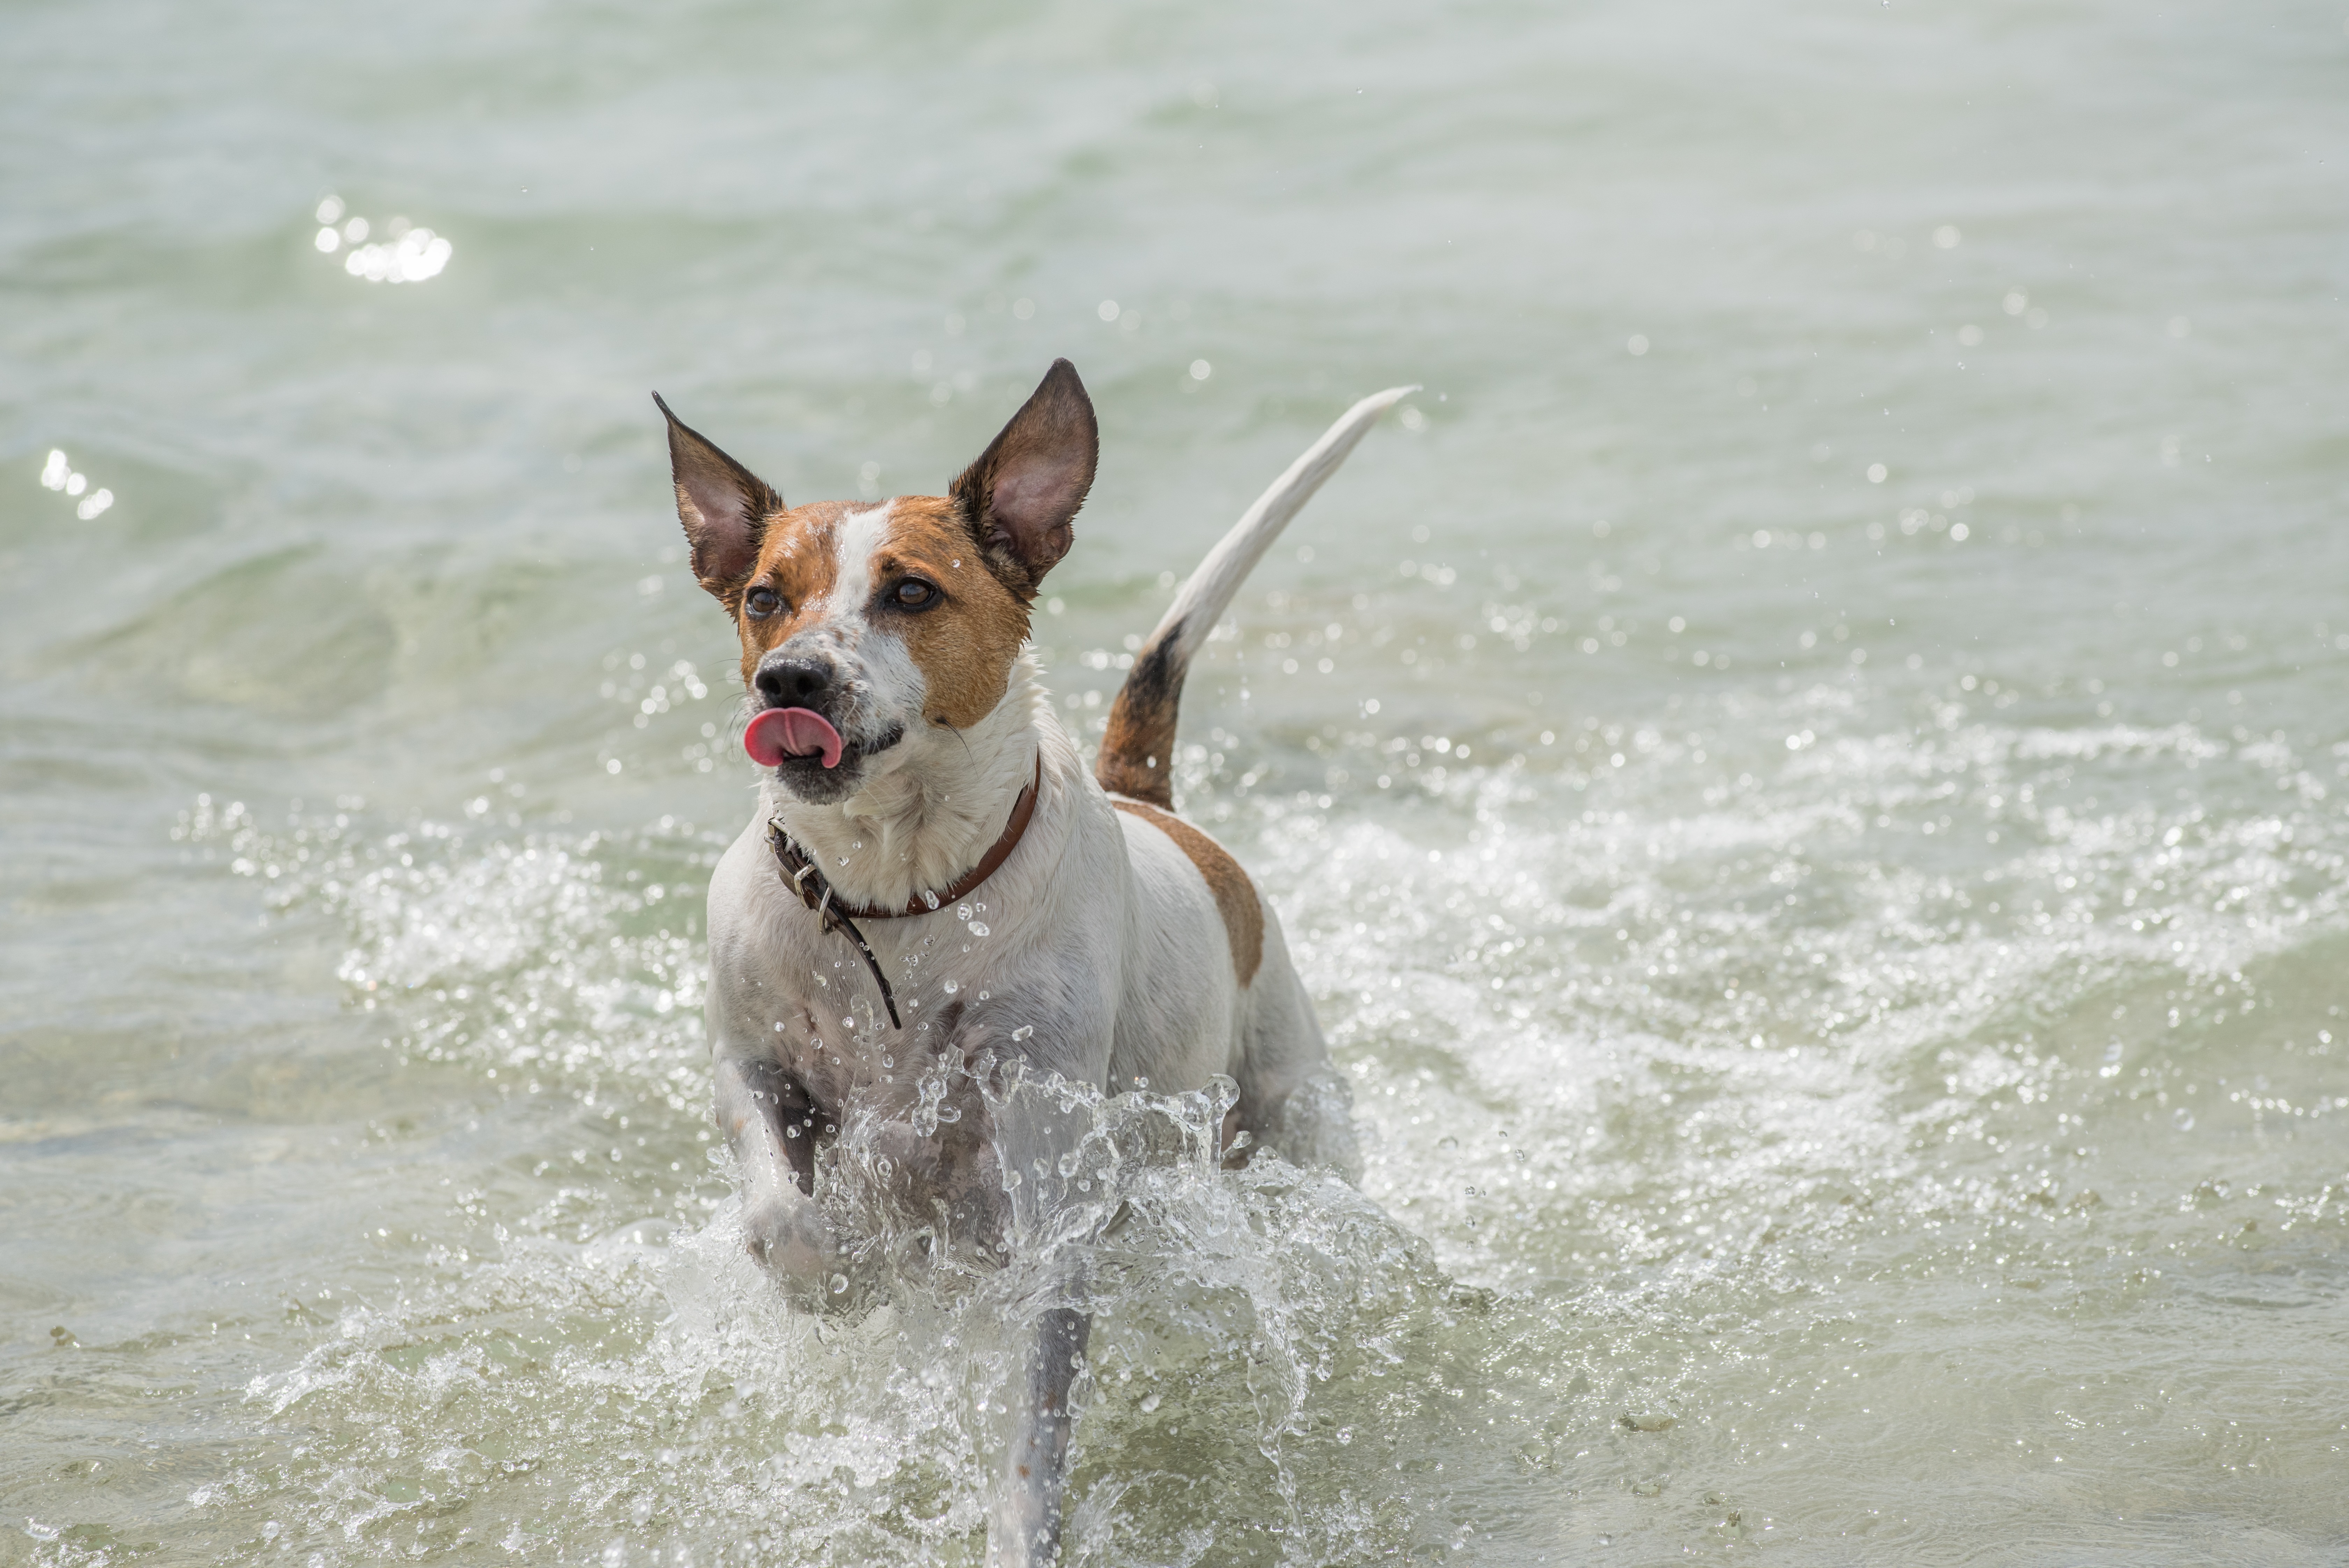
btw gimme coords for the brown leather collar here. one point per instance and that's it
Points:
(806, 881)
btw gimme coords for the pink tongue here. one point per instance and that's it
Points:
(782, 733)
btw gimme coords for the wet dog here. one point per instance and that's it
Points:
(913, 764)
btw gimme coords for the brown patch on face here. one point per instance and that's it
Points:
(797, 562)
(964, 644)
(1235, 898)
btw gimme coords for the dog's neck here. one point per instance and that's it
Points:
(923, 823)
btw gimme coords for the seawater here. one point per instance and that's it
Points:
(1805, 771)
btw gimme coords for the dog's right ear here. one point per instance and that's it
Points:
(723, 506)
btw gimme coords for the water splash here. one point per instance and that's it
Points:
(1658, 1067)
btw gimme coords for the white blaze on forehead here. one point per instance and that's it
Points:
(889, 686)
(855, 541)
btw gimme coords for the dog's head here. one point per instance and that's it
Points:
(873, 629)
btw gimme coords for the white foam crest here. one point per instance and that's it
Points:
(574, 955)
(1680, 997)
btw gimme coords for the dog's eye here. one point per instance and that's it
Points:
(915, 594)
(762, 602)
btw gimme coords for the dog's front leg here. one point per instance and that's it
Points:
(1031, 1131)
(768, 1120)
(1023, 1529)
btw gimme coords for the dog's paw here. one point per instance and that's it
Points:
(793, 1239)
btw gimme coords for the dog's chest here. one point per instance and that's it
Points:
(1072, 957)
(825, 1023)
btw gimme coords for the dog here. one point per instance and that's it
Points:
(911, 761)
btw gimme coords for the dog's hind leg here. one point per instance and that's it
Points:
(1291, 1097)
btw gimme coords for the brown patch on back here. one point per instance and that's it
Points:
(964, 645)
(1235, 898)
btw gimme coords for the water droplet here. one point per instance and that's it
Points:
(929, 899)
(839, 1284)
(1025, 1032)
(1149, 1403)
(979, 929)
(952, 987)
(962, 911)
(1447, 1142)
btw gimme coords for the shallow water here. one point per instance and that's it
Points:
(1806, 771)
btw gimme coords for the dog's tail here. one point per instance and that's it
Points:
(1137, 754)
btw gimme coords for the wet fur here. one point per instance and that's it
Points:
(1123, 944)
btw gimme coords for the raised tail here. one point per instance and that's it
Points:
(1137, 754)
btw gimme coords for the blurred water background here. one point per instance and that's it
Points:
(1806, 771)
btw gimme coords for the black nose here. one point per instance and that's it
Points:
(795, 681)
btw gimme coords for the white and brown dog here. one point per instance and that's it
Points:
(910, 755)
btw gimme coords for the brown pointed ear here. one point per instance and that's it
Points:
(723, 506)
(1021, 496)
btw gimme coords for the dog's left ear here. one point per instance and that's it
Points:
(1019, 498)
(723, 506)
